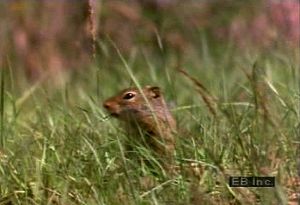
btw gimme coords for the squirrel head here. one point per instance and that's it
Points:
(132, 101)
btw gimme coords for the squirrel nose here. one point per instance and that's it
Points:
(107, 105)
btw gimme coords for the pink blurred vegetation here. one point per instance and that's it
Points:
(53, 36)
(277, 21)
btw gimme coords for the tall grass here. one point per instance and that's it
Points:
(238, 115)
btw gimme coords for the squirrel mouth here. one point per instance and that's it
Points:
(114, 115)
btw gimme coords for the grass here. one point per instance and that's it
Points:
(58, 146)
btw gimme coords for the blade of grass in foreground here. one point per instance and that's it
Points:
(2, 107)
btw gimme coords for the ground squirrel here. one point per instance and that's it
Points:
(145, 113)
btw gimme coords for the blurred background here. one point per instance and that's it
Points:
(51, 37)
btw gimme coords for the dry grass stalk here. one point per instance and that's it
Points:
(208, 98)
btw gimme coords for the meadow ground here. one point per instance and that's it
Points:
(58, 146)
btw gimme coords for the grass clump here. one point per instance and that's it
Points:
(241, 118)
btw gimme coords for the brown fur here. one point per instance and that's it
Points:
(148, 113)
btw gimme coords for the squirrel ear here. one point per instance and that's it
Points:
(154, 90)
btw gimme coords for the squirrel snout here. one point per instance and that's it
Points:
(111, 107)
(108, 105)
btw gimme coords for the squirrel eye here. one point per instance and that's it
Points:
(128, 96)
